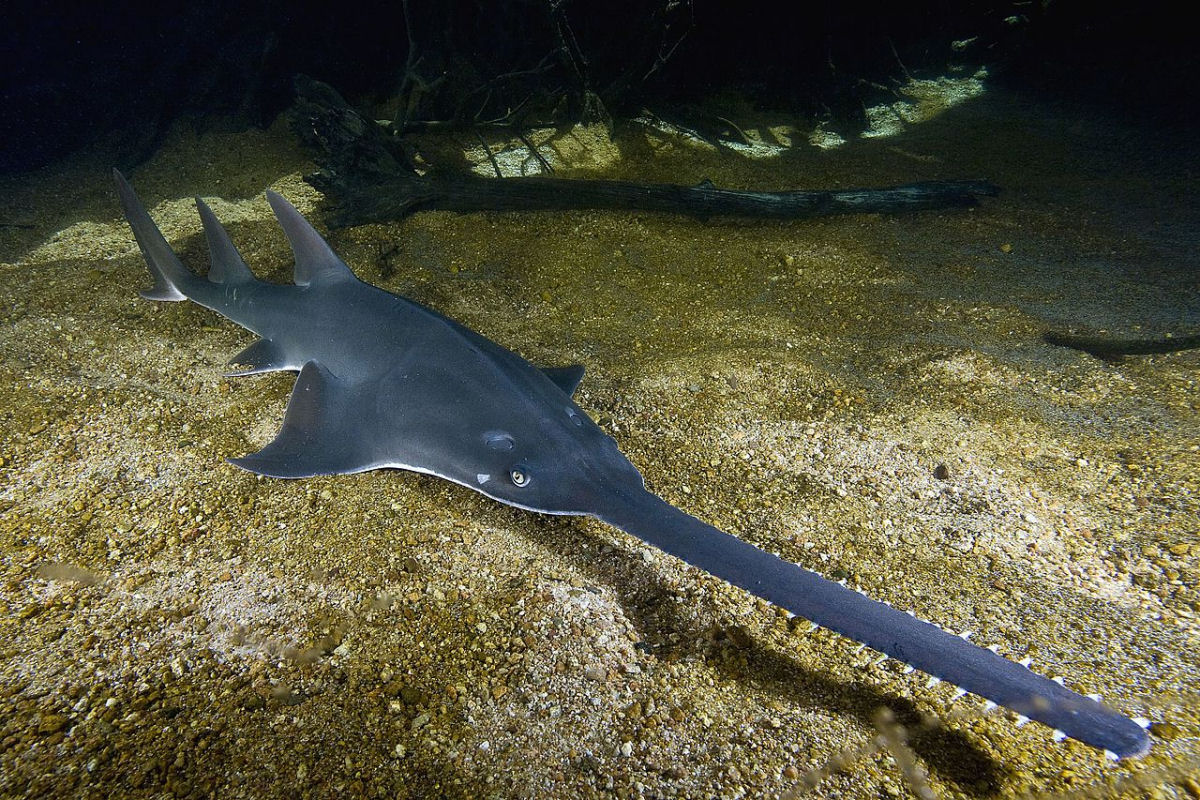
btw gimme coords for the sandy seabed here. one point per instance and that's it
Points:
(868, 396)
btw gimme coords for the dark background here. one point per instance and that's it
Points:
(74, 73)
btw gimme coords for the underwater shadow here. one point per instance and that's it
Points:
(948, 754)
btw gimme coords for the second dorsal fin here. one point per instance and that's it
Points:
(225, 263)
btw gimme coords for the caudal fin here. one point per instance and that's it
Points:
(169, 273)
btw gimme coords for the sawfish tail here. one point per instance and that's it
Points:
(172, 280)
(898, 634)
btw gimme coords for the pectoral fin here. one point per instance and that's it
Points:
(565, 378)
(321, 435)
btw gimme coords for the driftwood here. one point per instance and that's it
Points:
(359, 203)
(369, 178)
(1110, 349)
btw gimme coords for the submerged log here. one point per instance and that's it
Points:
(368, 178)
(376, 201)
(1110, 348)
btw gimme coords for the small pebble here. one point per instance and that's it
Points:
(51, 723)
(1167, 731)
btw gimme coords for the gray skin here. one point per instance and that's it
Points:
(386, 382)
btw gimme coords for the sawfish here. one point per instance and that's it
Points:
(385, 382)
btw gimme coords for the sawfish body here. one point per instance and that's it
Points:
(386, 382)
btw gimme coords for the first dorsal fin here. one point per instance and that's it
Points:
(315, 260)
(225, 263)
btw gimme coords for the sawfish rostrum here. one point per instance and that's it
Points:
(386, 382)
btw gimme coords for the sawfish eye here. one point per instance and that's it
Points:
(519, 476)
